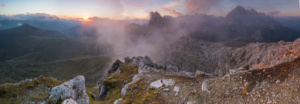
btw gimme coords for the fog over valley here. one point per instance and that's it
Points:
(149, 51)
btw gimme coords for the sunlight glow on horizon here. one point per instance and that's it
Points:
(134, 9)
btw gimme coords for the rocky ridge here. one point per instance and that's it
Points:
(216, 58)
(140, 80)
(151, 83)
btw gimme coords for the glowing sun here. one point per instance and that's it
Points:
(86, 18)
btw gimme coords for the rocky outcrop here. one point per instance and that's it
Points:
(135, 79)
(119, 101)
(157, 22)
(168, 82)
(172, 68)
(115, 66)
(160, 85)
(145, 65)
(214, 58)
(102, 91)
(73, 89)
(156, 84)
(69, 101)
(239, 11)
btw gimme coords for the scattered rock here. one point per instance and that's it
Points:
(156, 84)
(69, 101)
(168, 82)
(135, 79)
(233, 71)
(277, 81)
(143, 68)
(102, 91)
(119, 101)
(145, 64)
(176, 89)
(73, 89)
(163, 66)
(199, 73)
(118, 71)
(172, 68)
(166, 90)
(127, 60)
(204, 87)
(190, 102)
(190, 74)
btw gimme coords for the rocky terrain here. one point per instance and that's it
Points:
(139, 80)
(189, 54)
(196, 59)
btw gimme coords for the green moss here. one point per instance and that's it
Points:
(115, 83)
(118, 62)
(139, 93)
(13, 92)
(10, 101)
(41, 97)
(50, 101)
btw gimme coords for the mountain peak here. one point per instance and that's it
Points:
(155, 19)
(155, 15)
(240, 11)
(27, 26)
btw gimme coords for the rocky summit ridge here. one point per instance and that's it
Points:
(148, 82)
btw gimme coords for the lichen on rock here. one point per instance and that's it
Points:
(73, 89)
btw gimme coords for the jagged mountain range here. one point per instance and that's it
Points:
(191, 54)
(239, 24)
(234, 59)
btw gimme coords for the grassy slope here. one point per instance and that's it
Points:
(137, 93)
(15, 94)
(91, 67)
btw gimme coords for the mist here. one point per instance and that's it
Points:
(151, 38)
(131, 38)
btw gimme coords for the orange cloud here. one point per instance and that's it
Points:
(200, 5)
(172, 11)
(3, 5)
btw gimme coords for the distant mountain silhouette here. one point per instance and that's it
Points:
(30, 43)
(157, 22)
(49, 24)
(245, 25)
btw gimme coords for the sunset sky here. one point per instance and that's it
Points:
(123, 9)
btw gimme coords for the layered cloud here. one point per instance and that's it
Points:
(122, 9)
(195, 6)
(28, 16)
(172, 11)
(273, 13)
